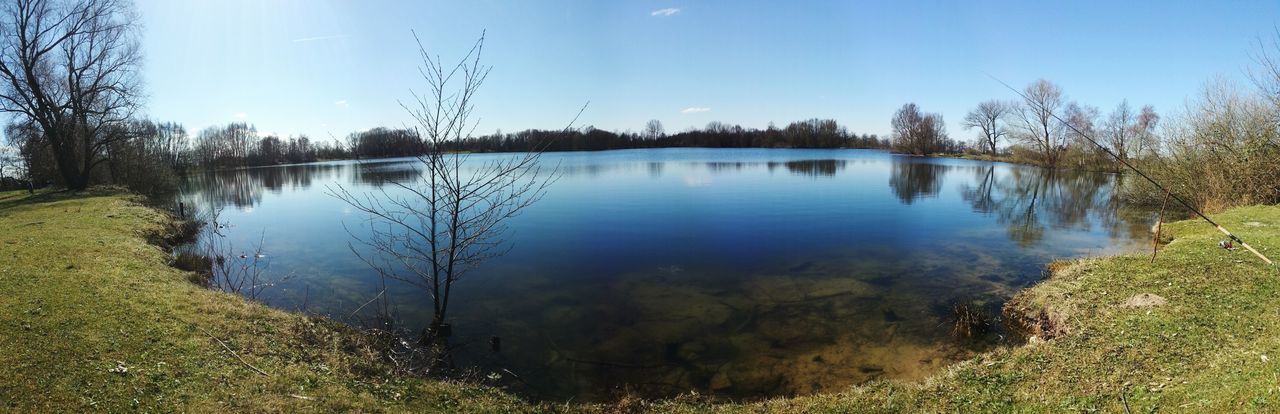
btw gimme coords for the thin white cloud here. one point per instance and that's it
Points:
(665, 12)
(241, 115)
(695, 109)
(319, 38)
(340, 103)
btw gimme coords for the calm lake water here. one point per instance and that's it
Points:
(742, 273)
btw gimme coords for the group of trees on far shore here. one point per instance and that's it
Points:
(1042, 128)
(239, 144)
(1045, 128)
(919, 133)
(1222, 150)
(812, 133)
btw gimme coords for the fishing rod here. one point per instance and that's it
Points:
(1143, 175)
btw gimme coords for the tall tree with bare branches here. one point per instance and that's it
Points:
(653, 130)
(1265, 71)
(70, 67)
(1037, 125)
(918, 133)
(987, 118)
(10, 165)
(1145, 138)
(1121, 130)
(431, 230)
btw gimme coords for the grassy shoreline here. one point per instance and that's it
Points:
(93, 318)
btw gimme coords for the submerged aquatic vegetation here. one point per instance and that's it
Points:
(970, 320)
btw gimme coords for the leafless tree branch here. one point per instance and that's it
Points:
(432, 230)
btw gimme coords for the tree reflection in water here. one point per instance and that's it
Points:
(1029, 200)
(815, 168)
(916, 178)
(244, 187)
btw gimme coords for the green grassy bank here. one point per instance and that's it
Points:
(93, 318)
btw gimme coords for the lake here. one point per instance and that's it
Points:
(743, 273)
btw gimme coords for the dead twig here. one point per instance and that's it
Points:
(1155, 242)
(1125, 399)
(233, 353)
(353, 313)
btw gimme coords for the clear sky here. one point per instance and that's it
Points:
(328, 67)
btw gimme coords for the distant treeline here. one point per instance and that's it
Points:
(149, 149)
(239, 144)
(151, 146)
(813, 133)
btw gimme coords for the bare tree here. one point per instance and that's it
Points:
(71, 68)
(10, 154)
(1082, 121)
(9, 164)
(987, 118)
(1036, 122)
(1265, 73)
(1121, 129)
(431, 230)
(653, 129)
(22, 138)
(1223, 151)
(1147, 142)
(173, 142)
(226, 145)
(907, 129)
(918, 133)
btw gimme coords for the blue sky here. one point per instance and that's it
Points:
(327, 67)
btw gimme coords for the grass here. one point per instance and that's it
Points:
(83, 293)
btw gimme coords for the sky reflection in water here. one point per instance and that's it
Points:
(743, 273)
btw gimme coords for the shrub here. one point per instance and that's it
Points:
(1222, 152)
